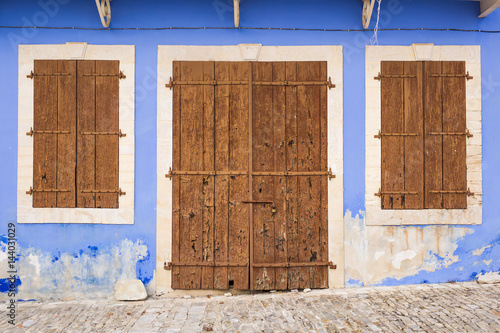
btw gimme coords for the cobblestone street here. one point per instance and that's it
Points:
(461, 307)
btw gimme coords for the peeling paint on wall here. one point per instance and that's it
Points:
(375, 253)
(86, 273)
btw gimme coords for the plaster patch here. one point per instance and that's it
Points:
(375, 253)
(85, 273)
(480, 251)
(401, 256)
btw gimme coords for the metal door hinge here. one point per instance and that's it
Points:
(467, 75)
(379, 77)
(31, 132)
(380, 193)
(32, 190)
(468, 192)
(119, 191)
(31, 75)
(331, 265)
(380, 134)
(119, 133)
(120, 75)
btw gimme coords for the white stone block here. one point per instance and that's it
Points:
(130, 290)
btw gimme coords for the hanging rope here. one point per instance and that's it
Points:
(374, 39)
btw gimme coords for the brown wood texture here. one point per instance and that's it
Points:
(221, 226)
(433, 106)
(413, 145)
(238, 229)
(292, 215)
(45, 145)
(393, 153)
(309, 193)
(454, 151)
(66, 143)
(263, 186)
(288, 127)
(106, 146)
(86, 119)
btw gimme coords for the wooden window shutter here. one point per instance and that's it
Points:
(445, 128)
(54, 132)
(97, 151)
(402, 135)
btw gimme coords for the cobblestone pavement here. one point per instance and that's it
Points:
(461, 307)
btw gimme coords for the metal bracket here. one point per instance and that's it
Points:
(31, 132)
(119, 133)
(468, 192)
(331, 265)
(31, 191)
(329, 83)
(31, 75)
(169, 174)
(397, 76)
(167, 265)
(380, 134)
(380, 193)
(467, 75)
(119, 191)
(104, 9)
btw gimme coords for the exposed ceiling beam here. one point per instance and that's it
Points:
(367, 12)
(236, 13)
(488, 6)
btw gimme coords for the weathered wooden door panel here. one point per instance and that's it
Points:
(215, 153)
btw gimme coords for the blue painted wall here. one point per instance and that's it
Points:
(56, 240)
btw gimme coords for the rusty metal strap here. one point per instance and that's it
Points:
(32, 190)
(468, 192)
(466, 133)
(120, 75)
(31, 132)
(31, 75)
(402, 76)
(119, 133)
(380, 193)
(119, 191)
(328, 83)
(168, 265)
(295, 264)
(467, 75)
(380, 134)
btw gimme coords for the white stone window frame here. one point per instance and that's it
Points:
(26, 213)
(249, 52)
(374, 55)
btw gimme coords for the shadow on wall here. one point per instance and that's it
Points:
(88, 273)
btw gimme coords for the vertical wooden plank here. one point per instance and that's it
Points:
(85, 172)
(279, 148)
(222, 73)
(207, 273)
(106, 120)
(191, 186)
(292, 181)
(309, 147)
(454, 154)
(433, 108)
(45, 145)
(393, 153)
(176, 158)
(66, 143)
(414, 145)
(322, 276)
(263, 160)
(238, 185)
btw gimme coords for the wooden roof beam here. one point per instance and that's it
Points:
(236, 13)
(488, 6)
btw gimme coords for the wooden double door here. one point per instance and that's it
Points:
(249, 175)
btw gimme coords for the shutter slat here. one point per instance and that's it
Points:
(392, 146)
(66, 145)
(433, 104)
(106, 120)
(45, 145)
(454, 154)
(85, 174)
(414, 145)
